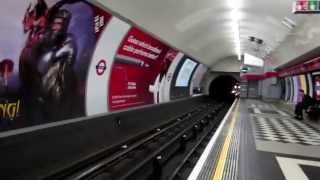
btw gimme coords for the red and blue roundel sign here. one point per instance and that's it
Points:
(101, 67)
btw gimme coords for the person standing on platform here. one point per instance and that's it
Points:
(303, 103)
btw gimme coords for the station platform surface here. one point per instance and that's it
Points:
(260, 140)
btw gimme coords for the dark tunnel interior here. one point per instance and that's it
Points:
(221, 87)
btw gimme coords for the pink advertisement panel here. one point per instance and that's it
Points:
(140, 63)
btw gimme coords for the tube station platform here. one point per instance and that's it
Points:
(260, 140)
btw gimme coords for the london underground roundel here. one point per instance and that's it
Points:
(101, 67)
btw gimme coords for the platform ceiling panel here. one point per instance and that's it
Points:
(203, 29)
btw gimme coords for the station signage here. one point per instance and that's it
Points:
(306, 7)
(308, 66)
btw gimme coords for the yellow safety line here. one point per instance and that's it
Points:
(223, 155)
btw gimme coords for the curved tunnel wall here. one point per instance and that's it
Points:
(94, 63)
(221, 87)
(211, 76)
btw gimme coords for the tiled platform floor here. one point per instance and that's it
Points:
(272, 144)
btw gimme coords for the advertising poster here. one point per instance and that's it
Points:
(303, 84)
(45, 50)
(185, 73)
(310, 85)
(63, 59)
(317, 87)
(140, 67)
(299, 86)
(165, 86)
(289, 89)
(195, 87)
(287, 83)
(292, 92)
(296, 87)
(283, 88)
(180, 88)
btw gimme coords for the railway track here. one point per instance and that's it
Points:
(165, 152)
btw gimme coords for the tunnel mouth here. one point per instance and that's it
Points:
(221, 88)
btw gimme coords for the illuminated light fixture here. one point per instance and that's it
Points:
(306, 6)
(252, 60)
(289, 23)
(235, 15)
(302, 5)
(313, 5)
(285, 23)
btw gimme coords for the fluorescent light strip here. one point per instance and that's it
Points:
(237, 39)
(235, 26)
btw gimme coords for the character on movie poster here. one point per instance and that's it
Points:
(46, 62)
(46, 51)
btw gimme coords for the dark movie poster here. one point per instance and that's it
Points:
(45, 51)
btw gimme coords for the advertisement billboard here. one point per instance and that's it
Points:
(316, 82)
(141, 64)
(45, 49)
(185, 73)
(195, 86)
(310, 85)
(63, 59)
(181, 80)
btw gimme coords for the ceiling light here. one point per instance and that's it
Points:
(287, 25)
(235, 15)
(290, 21)
(290, 24)
(252, 60)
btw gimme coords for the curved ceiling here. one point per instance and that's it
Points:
(203, 29)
